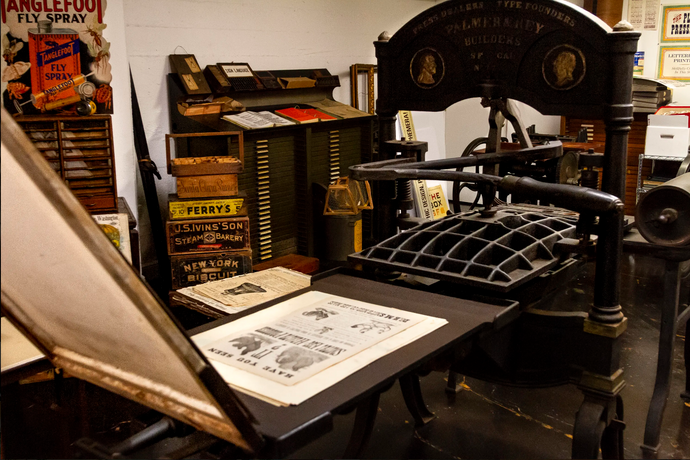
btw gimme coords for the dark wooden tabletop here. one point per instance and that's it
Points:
(289, 428)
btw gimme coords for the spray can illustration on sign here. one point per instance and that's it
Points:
(54, 55)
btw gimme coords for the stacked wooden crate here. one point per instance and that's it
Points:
(208, 227)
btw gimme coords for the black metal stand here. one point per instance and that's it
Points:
(671, 320)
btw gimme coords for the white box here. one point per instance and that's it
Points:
(667, 136)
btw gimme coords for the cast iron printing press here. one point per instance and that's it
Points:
(565, 64)
(495, 267)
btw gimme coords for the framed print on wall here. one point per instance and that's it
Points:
(675, 24)
(674, 63)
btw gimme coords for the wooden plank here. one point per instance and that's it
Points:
(302, 264)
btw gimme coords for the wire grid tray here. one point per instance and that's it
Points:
(497, 253)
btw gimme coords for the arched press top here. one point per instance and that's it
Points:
(551, 55)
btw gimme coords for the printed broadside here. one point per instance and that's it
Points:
(298, 345)
(301, 337)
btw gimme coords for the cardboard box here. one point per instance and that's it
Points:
(296, 82)
(667, 136)
(218, 105)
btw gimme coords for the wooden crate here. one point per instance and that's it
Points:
(208, 235)
(191, 143)
(200, 268)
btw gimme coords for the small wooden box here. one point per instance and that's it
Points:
(202, 166)
(179, 209)
(208, 235)
(201, 268)
(187, 69)
(196, 165)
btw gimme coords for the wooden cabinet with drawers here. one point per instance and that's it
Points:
(80, 150)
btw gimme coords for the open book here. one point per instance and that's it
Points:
(305, 115)
(257, 120)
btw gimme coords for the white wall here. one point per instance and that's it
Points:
(127, 172)
(278, 34)
(650, 42)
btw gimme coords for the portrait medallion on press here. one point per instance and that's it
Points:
(427, 68)
(564, 67)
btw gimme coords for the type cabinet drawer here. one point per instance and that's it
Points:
(80, 150)
(201, 268)
(208, 235)
(97, 202)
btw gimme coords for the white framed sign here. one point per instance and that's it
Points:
(674, 63)
(236, 70)
(676, 24)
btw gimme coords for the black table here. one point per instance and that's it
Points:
(671, 320)
(289, 428)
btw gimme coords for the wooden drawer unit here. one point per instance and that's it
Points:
(80, 149)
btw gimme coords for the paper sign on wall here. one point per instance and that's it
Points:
(55, 51)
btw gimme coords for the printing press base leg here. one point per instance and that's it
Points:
(363, 426)
(412, 394)
(598, 424)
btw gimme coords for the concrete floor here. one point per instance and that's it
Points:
(496, 421)
(482, 421)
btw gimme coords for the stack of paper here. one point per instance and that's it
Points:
(233, 295)
(257, 120)
(650, 94)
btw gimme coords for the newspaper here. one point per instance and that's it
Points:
(298, 345)
(254, 380)
(253, 288)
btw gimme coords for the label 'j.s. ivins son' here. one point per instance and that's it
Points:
(208, 235)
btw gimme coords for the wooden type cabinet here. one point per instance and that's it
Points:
(280, 166)
(80, 150)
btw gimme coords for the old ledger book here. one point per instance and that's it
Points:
(257, 120)
(291, 351)
(305, 115)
